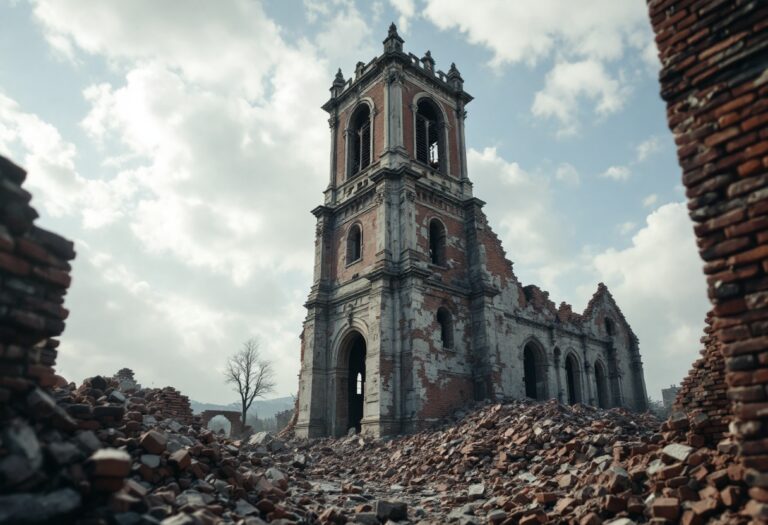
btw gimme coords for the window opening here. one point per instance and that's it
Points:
(354, 244)
(446, 327)
(428, 134)
(436, 242)
(360, 146)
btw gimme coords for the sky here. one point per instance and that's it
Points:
(181, 145)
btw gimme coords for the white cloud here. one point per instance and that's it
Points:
(128, 32)
(617, 173)
(582, 37)
(570, 82)
(50, 161)
(523, 214)
(626, 227)
(532, 30)
(567, 173)
(650, 200)
(647, 148)
(206, 133)
(406, 9)
(660, 273)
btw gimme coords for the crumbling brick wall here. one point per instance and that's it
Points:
(714, 79)
(34, 271)
(702, 394)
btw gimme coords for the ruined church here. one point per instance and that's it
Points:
(414, 309)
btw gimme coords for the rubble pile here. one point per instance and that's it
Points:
(100, 402)
(702, 395)
(122, 459)
(545, 463)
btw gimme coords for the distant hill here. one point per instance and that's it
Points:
(263, 408)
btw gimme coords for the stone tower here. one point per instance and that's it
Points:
(414, 309)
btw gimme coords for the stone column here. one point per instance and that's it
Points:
(330, 193)
(466, 185)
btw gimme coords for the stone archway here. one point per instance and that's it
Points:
(535, 371)
(236, 423)
(220, 423)
(350, 383)
(573, 379)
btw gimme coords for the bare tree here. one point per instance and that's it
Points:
(251, 375)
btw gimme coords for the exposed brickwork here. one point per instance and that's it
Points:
(714, 80)
(702, 394)
(34, 270)
(171, 404)
(432, 269)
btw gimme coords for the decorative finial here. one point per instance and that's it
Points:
(338, 84)
(428, 61)
(454, 78)
(393, 42)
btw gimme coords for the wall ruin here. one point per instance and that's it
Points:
(714, 80)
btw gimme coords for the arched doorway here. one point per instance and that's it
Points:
(535, 372)
(220, 424)
(573, 379)
(601, 383)
(351, 384)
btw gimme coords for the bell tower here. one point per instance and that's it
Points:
(414, 309)
(390, 253)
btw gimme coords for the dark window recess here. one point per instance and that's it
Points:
(429, 148)
(436, 242)
(354, 244)
(446, 327)
(360, 146)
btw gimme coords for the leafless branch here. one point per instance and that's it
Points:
(250, 375)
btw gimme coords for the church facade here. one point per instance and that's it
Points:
(415, 310)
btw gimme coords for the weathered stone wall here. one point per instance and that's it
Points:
(714, 80)
(391, 297)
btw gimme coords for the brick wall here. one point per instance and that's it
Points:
(702, 394)
(714, 80)
(34, 272)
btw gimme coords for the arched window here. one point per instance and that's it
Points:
(354, 244)
(446, 327)
(429, 131)
(535, 371)
(436, 242)
(360, 140)
(609, 326)
(573, 379)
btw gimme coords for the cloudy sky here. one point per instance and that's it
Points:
(181, 145)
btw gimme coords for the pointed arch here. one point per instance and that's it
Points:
(601, 385)
(535, 370)
(573, 379)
